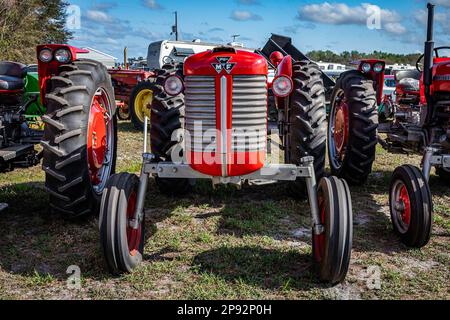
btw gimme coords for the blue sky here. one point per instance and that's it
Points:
(109, 25)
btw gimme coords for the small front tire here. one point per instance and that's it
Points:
(332, 249)
(411, 206)
(123, 246)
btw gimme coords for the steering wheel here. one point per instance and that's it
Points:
(419, 64)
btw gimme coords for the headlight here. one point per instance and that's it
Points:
(366, 67)
(282, 86)
(46, 55)
(173, 85)
(378, 67)
(63, 55)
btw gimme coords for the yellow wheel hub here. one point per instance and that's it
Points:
(143, 103)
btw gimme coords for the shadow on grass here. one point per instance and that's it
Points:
(36, 243)
(255, 266)
(33, 240)
(373, 226)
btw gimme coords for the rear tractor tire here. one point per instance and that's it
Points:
(80, 138)
(411, 206)
(123, 246)
(167, 118)
(307, 118)
(332, 249)
(352, 128)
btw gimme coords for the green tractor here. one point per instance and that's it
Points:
(31, 97)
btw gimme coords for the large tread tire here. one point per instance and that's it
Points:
(65, 158)
(363, 124)
(418, 233)
(147, 84)
(168, 116)
(333, 253)
(114, 221)
(307, 119)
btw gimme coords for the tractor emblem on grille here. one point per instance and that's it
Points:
(224, 64)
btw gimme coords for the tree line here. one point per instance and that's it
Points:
(347, 57)
(24, 24)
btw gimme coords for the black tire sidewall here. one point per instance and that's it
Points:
(113, 224)
(421, 206)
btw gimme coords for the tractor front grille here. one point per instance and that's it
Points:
(249, 125)
(200, 101)
(249, 113)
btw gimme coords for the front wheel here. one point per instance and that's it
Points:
(141, 100)
(411, 206)
(123, 245)
(332, 248)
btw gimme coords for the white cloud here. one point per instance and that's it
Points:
(152, 4)
(395, 28)
(98, 16)
(443, 3)
(342, 14)
(441, 19)
(239, 15)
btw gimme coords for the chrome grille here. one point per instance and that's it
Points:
(200, 100)
(249, 113)
(249, 117)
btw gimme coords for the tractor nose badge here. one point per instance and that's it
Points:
(224, 64)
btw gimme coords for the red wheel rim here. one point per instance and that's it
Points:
(133, 235)
(319, 240)
(341, 128)
(406, 210)
(339, 131)
(100, 140)
(401, 207)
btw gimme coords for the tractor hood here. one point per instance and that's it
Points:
(225, 61)
(441, 80)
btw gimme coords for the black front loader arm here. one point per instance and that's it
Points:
(285, 46)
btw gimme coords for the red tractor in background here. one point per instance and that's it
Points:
(133, 84)
(419, 123)
(80, 137)
(209, 120)
(125, 82)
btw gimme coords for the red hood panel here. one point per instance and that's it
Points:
(233, 63)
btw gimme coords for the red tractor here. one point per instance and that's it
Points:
(210, 121)
(419, 122)
(79, 143)
(125, 82)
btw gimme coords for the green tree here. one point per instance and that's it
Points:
(24, 24)
(347, 57)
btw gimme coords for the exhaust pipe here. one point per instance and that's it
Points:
(429, 48)
(428, 63)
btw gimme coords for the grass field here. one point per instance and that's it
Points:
(218, 244)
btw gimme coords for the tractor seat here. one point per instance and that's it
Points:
(410, 84)
(11, 83)
(12, 75)
(408, 80)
